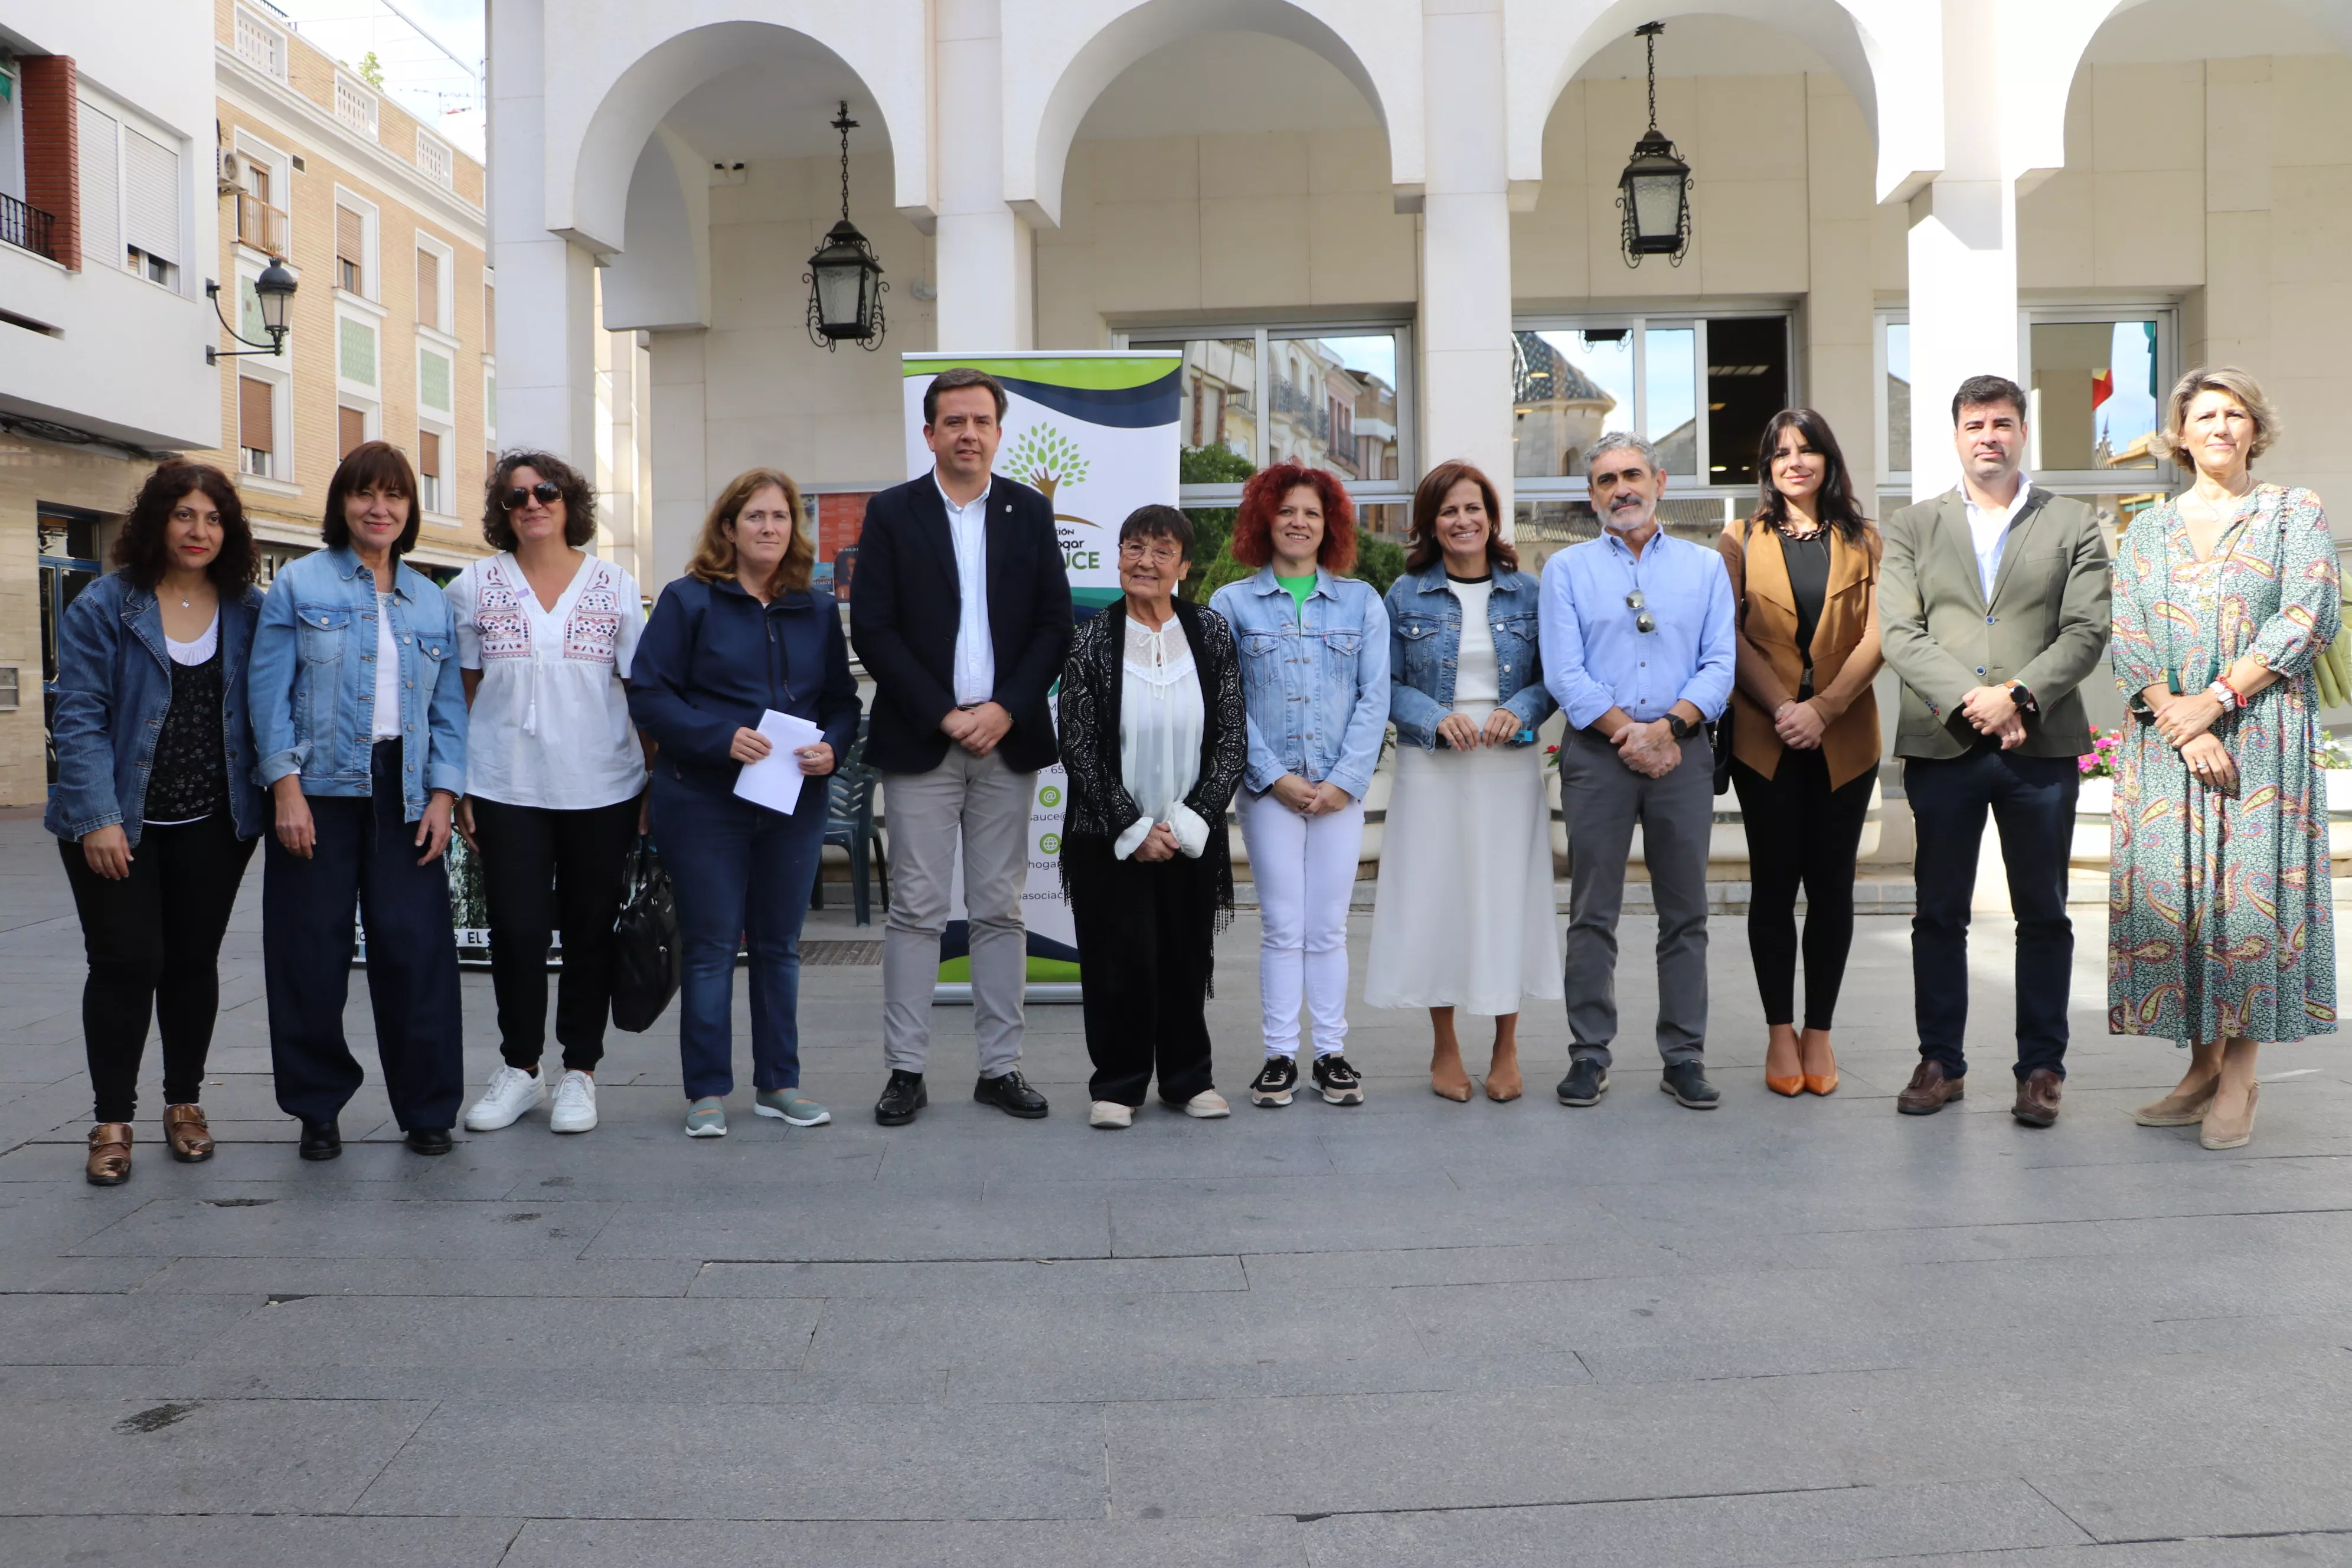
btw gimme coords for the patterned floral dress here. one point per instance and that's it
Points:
(2218, 907)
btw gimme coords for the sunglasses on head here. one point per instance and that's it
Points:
(1642, 620)
(547, 493)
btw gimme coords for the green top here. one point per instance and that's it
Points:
(1298, 588)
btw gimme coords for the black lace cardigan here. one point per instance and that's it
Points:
(1099, 808)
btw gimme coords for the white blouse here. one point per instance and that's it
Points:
(550, 724)
(1474, 677)
(1160, 728)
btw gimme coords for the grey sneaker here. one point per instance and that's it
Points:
(707, 1118)
(791, 1105)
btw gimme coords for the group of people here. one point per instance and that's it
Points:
(355, 716)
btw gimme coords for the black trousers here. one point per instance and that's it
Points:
(365, 855)
(545, 870)
(1145, 932)
(2031, 800)
(153, 941)
(1800, 833)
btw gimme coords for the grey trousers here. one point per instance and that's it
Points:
(1602, 799)
(987, 804)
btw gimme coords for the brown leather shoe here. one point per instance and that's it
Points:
(186, 1132)
(2037, 1099)
(1929, 1090)
(110, 1154)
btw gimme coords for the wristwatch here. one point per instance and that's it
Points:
(1680, 726)
(2021, 697)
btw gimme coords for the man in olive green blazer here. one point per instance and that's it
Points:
(1993, 608)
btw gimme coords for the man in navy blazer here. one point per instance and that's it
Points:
(961, 614)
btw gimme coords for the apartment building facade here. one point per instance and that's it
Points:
(394, 324)
(107, 239)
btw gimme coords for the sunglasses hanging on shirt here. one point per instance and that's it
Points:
(547, 493)
(1642, 620)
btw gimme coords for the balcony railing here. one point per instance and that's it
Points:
(261, 225)
(26, 227)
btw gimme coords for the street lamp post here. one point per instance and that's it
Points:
(275, 292)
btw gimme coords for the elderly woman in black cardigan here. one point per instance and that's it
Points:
(1153, 737)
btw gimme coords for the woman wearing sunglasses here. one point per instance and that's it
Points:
(554, 775)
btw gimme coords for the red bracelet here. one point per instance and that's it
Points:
(2223, 679)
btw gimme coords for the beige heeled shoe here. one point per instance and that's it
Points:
(2179, 1110)
(2219, 1134)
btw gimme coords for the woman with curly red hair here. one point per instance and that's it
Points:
(1315, 684)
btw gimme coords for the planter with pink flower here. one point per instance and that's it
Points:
(2095, 802)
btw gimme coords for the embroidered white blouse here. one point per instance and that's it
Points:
(549, 724)
(1159, 727)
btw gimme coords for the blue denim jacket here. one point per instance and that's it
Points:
(114, 682)
(1425, 645)
(1315, 681)
(313, 683)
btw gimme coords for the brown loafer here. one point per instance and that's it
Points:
(110, 1154)
(184, 1130)
(2037, 1099)
(1929, 1090)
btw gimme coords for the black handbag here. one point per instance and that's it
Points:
(648, 948)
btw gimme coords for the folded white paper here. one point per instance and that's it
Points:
(774, 781)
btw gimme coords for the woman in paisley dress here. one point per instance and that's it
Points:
(2218, 922)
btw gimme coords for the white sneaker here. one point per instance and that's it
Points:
(1207, 1105)
(575, 1104)
(1110, 1113)
(512, 1092)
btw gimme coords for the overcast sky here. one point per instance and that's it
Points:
(419, 77)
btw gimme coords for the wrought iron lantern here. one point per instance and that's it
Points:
(845, 280)
(274, 290)
(1654, 192)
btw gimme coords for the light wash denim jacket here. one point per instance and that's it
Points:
(312, 689)
(1314, 681)
(114, 684)
(1426, 648)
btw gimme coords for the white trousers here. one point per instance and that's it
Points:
(1305, 868)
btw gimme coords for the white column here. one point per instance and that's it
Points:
(1465, 245)
(985, 257)
(547, 365)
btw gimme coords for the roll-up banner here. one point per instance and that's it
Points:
(1096, 435)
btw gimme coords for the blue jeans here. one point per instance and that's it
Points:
(2032, 802)
(740, 871)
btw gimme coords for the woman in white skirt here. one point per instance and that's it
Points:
(1463, 917)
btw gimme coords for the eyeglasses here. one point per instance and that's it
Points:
(1642, 620)
(1158, 554)
(547, 491)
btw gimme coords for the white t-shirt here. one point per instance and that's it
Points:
(385, 726)
(1475, 678)
(550, 725)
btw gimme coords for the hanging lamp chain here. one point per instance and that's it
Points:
(1649, 32)
(843, 123)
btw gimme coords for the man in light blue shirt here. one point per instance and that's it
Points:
(1637, 646)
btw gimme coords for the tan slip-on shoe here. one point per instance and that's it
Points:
(2234, 1134)
(2179, 1110)
(1110, 1115)
(110, 1154)
(188, 1134)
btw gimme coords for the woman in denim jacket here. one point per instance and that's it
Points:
(1465, 917)
(155, 809)
(1315, 682)
(359, 715)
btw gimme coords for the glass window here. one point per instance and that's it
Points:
(1894, 396)
(2096, 387)
(1569, 388)
(1247, 399)
(1218, 406)
(1574, 381)
(1747, 384)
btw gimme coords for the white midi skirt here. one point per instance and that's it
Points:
(1463, 916)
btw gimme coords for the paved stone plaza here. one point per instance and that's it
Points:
(1412, 1332)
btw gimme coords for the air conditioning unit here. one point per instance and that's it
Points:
(232, 174)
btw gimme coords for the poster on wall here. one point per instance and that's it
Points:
(1096, 435)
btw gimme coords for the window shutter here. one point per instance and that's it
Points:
(489, 319)
(350, 235)
(256, 420)
(428, 290)
(355, 356)
(152, 188)
(433, 381)
(429, 454)
(350, 430)
(101, 190)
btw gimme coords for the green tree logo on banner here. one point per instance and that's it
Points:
(1044, 459)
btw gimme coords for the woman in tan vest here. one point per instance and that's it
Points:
(1804, 572)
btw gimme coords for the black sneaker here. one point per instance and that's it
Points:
(1275, 1082)
(1586, 1082)
(1010, 1093)
(902, 1096)
(1340, 1084)
(1686, 1081)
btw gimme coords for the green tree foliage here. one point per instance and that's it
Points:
(1044, 459)
(1214, 565)
(370, 71)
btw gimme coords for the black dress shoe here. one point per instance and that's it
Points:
(321, 1141)
(430, 1139)
(1686, 1081)
(902, 1096)
(1586, 1082)
(1012, 1095)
